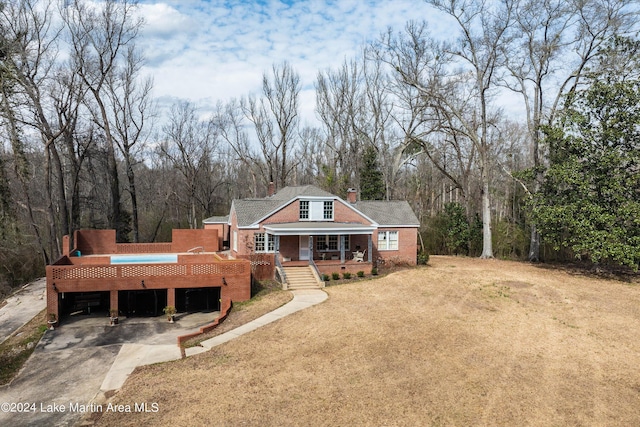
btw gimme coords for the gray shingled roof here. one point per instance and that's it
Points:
(249, 211)
(217, 220)
(393, 212)
(288, 193)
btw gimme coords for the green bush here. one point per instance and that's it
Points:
(360, 273)
(335, 276)
(326, 277)
(374, 271)
(423, 257)
(346, 275)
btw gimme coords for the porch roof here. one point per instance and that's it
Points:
(317, 228)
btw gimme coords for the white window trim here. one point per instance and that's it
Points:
(268, 242)
(326, 242)
(387, 240)
(324, 210)
(316, 210)
(308, 210)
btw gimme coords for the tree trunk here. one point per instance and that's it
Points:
(487, 244)
(134, 202)
(534, 245)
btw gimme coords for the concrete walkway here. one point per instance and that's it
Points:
(21, 307)
(133, 355)
(92, 358)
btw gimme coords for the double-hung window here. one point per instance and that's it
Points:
(263, 244)
(328, 209)
(387, 240)
(330, 242)
(304, 209)
(316, 210)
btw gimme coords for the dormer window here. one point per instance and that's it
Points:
(304, 209)
(316, 210)
(328, 210)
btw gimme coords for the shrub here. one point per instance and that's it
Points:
(326, 277)
(335, 276)
(423, 257)
(374, 271)
(346, 275)
(360, 273)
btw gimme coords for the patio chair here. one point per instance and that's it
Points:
(359, 256)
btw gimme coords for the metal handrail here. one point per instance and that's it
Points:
(314, 269)
(280, 270)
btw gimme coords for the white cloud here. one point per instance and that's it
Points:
(215, 50)
(164, 21)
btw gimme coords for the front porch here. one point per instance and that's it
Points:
(329, 246)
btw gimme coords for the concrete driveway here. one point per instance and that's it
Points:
(22, 306)
(79, 364)
(73, 365)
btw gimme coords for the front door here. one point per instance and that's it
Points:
(304, 248)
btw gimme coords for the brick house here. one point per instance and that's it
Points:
(306, 225)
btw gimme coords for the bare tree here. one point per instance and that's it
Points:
(29, 42)
(275, 117)
(456, 80)
(99, 35)
(337, 93)
(131, 109)
(228, 119)
(188, 146)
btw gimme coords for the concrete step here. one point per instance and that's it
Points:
(301, 278)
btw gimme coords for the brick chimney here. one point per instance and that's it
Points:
(271, 189)
(352, 195)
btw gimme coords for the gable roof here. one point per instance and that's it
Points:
(249, 211)
(289, 193)
(383, 213)
(388, 212)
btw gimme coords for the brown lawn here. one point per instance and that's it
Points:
(460, 342)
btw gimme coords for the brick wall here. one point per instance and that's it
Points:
(225, 309)
(344, 213)
(182, 240)
(96, 274)
(407, 246)
(262, 265)
(341, 213)
(233, 278)
(289, 247)
(222, 232)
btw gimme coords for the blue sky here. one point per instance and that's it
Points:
(206, 51)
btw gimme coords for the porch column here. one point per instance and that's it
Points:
(310, 249)
(276, 246)
(369, 247)
(113, 300)
(341, 248)
(171, 297)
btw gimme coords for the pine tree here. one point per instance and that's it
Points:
(371, 179)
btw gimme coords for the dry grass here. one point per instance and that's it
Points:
(15, 351)
(245, 312)
(462, 342)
